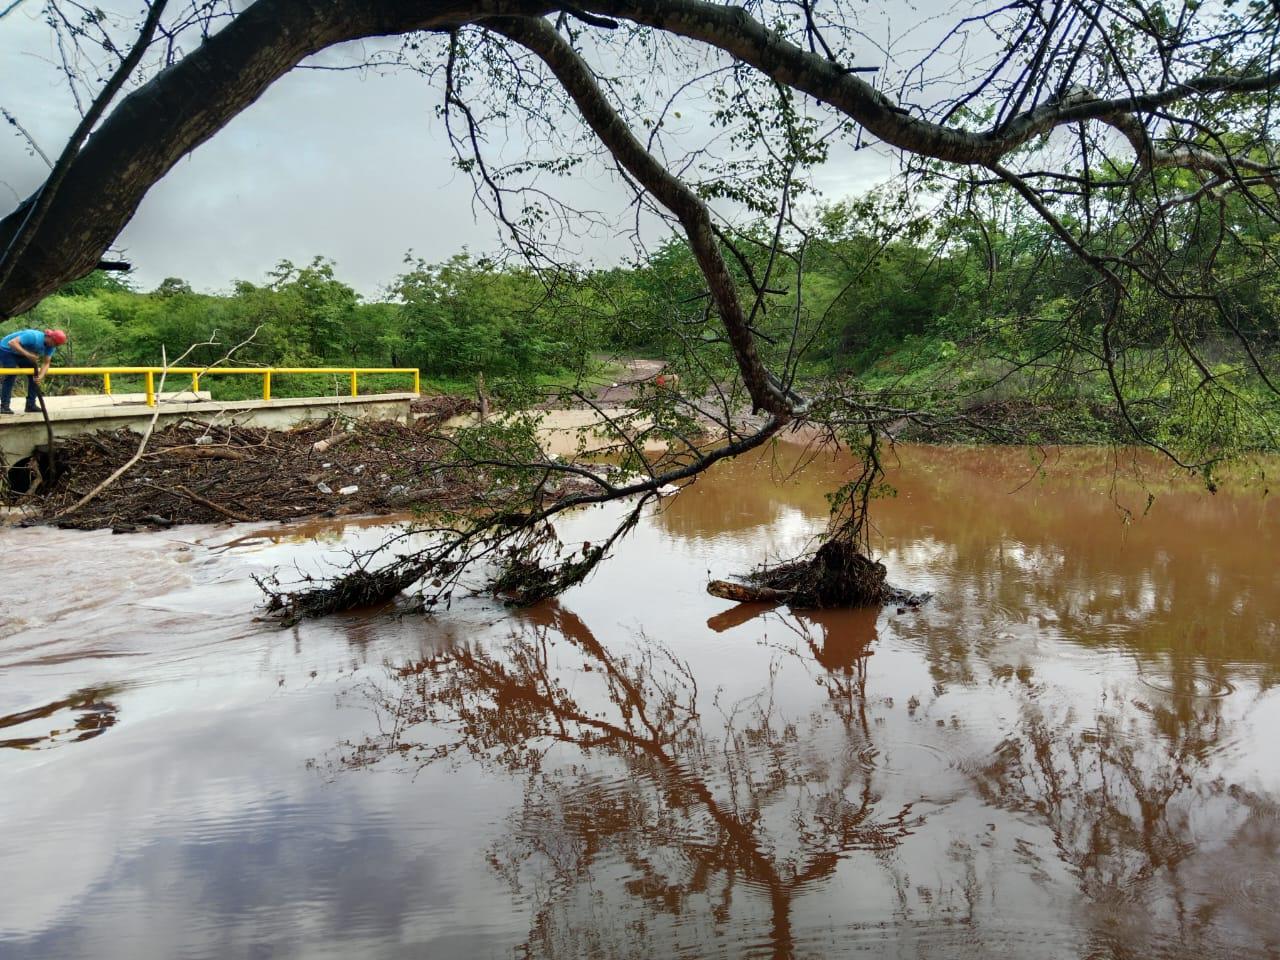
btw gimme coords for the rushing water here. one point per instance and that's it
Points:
(1073, 751)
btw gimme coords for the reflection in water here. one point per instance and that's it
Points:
(654, 822)
(699, 819)
(653, 805)
(1070, 752)
(82, 716)
(1139, 816)
(1188, 581)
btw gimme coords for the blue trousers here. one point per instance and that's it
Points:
(10, 359)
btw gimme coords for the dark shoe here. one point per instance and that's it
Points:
(31, 410)
(6, 410)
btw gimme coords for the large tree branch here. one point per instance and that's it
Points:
(150, 130)
(576, 77)
(17, 243)
(183, 106)
(734, 31)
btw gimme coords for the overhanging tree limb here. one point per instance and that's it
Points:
(737, 33)
(576, 77)
(17, 243)
(181, 107)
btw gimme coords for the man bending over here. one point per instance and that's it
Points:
(27, 348)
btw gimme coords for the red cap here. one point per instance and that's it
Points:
(57, 336)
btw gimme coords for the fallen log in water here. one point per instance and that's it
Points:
(836, 575)
(748, 593)
(754, 593)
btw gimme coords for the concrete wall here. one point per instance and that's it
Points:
(22, 433)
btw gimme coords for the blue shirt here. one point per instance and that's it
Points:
(32, 340)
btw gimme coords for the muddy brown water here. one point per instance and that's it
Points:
(1073, 751)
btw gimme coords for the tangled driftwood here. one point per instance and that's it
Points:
(192, 472)
(837, 575)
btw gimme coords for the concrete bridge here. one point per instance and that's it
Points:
(69, 416)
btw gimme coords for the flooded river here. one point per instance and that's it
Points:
(1072, 751)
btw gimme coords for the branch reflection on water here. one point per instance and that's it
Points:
(1171, 857)
(651, 816)
(695, 815)
(80, 716)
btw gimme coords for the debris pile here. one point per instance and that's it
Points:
(438, 408)
(836, 575)
(193, 472)
(353, 590)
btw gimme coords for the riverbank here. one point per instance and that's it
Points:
(980, 395)
(206, 471)
(197, 472)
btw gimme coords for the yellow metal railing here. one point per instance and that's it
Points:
(149, 375)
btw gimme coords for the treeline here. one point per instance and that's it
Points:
(871, 289)
(453, 319)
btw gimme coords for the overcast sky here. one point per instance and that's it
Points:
(348, 165)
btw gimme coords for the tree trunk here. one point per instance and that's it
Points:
(747, 593)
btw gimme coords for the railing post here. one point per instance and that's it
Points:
(266, 385)
(106, 384)
(151, 389)
(417, 380)
(353, 383)
(195, 383)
